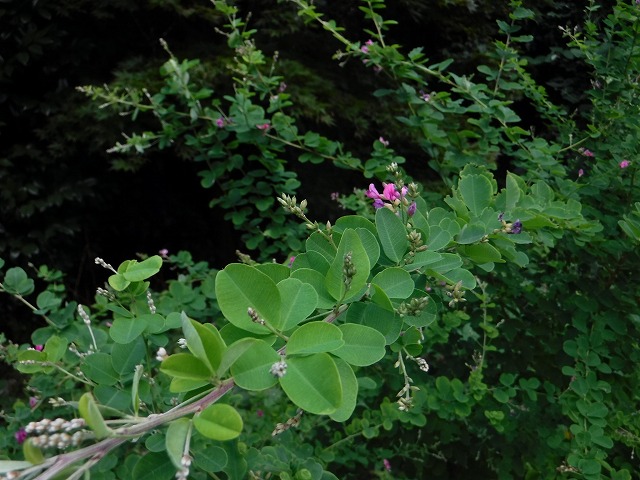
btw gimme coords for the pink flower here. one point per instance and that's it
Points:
(585, 152)
(425, 96)
(21, 435)
(263, 126)
(373, 192)
(220, 122)
(39, 347)
(412, 209)
(291, 260)
(580, 173)
(33, 401)
(387, 465)
(365, 47)
(383, 141)
(260, 413)
(625, 163)
(163, 252)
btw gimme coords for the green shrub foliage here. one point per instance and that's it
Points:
(485, 324)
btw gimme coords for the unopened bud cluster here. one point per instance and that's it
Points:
(414, 308)
(283, 427)
(104, 264)
(84, 315)
(415, 244)
(105, 293)
(279, 369)
(456, 293)
(183, 472)
(57, 433)
(253, 315)
(150, 303)
(348, 270)
(290, 204)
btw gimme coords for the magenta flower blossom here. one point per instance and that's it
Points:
(291, 260)
(389, 193)
(220, 122)
(580, 173)
(377, 203)
(425, 96)
(33, 401)
(39, 347)
(384, 141)
(516, 227)
(163, 252)
(263, 126)
(412, 209)
(21, 435)
(586, 152)
(624, 163)
(387, 465)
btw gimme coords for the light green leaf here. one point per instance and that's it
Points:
(363, 345)
(317, 281)
(240, 287)
(118, 282)
(177, 433)
(349, 384)
(55, 348)
(384, 321)
(513, 193)
(438, 239)
(395, 282)
(314, 337)
(392, 234)
(11, 465)
(313, 383)
(251, 369)
(89, 411)
(349, 243)
(185, 365)
(205, 343)
(16, 282)
(318, 243)
(471, 233)
(299, 300)
(31, 453)
(274, 271)
(476, 191)
(138, 271)
(219, 422)
(125, 356)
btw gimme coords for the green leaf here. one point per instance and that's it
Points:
(392, 234)
(427, 316)
(209, 458)
(299, 300)
(513, 193)
(476, 191)
(317, 281)
(47, 300)
(378, 318)
(125, 356)
(88, 409)
(55, 348)
(154, 466)
(232, 353)
(438, 239)
(423, 259)
(205, 343)
(447, 262)
(185, 365)
(318, 243)
(138, 271)
(219, 422)
(396, 282)
(98, 368)
(31, 453)
(251, 369)
(349, 384)
(118, 282)
(16, 282)
(481, 253)
(126, 330)
(25, 359)
(334, 282)
(313, 383)
(314, 337)
(177, 434)
(362, 345)
(275, 271)
(370, 244)
(239, 287)
(471, 233)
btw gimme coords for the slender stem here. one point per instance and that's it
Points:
(33, 308)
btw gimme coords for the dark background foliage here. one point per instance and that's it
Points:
(63, 203)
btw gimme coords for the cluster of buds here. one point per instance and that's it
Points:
(279, 368)
(105, 293)
(57, 433)
(150, 303)
(348, 270)
(185, 465)
(290, 204)
(422, 363)
(512, 228)
(244, 258)
(104, 264)
(415, 244)
(292, 422)
(405, 400)
(161, 354)
(253, 315)
(456, 293)
(414, 308)
(84, 315)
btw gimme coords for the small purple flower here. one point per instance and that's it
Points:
(260, 413)
(387, 465)
(335, 196)
(33, 401)
(220, 122)
(586, 152)
(425, 96)
(21, 435)
(38, 347)
(373, 192)
(291, 260)
(624, 163)
(383, 141)
(412, 209)
(516, 227)
(164, 253)
(377, 203)
(263, 126)
(282, 87)
(580, 173)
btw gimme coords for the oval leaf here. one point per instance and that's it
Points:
(138, 271)
(314, 337)
(251, 369)
(362, 345)
(392, 234)
(219, 422)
